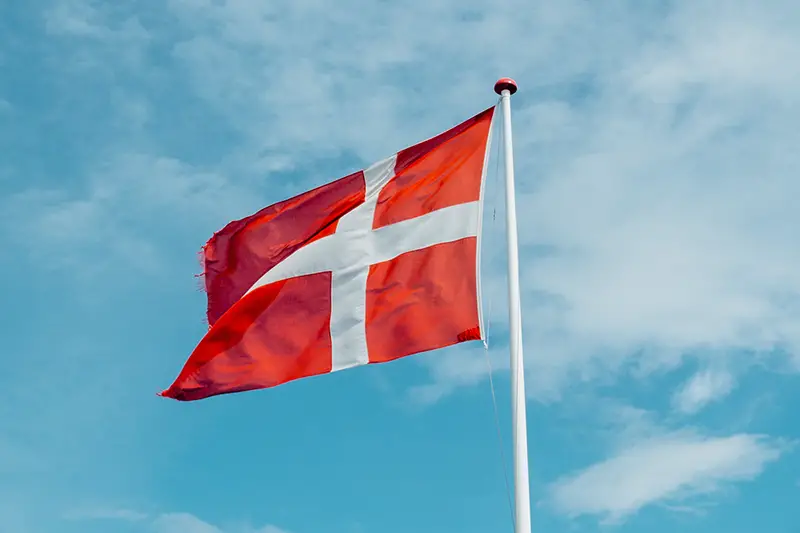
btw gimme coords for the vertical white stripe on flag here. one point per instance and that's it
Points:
(349, 286)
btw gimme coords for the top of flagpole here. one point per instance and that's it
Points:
(504, 84)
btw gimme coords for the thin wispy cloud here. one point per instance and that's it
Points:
(105, 513)
(171, 522)
(673, 469)
(183, 522)
(703, 388)
(188, 523)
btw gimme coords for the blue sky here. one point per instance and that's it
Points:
(657, 168)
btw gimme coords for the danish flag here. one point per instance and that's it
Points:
(377, 265)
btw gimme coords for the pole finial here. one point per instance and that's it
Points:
(505, 84)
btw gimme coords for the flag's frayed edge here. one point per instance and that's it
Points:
(201, 276)
(200, 279)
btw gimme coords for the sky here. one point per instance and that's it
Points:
(657, 177)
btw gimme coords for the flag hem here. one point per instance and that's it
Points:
(478, 286)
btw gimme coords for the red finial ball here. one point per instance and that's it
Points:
(505, 84)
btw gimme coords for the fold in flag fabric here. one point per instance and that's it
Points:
(377, 265)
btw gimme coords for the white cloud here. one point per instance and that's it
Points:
(673, 469)
(661, 205)
(87, 19)
(76, 17)
(131, 202)
(703, 388)
(76, 233)
(104, 39)
(182, 523)
(175, 522)
(105, 513)
(189, 523)
(456, 368)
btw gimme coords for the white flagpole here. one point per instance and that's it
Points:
(505, 87)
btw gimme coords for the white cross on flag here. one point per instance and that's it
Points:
(372, 267)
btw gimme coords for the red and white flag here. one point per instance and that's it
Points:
(375, 266)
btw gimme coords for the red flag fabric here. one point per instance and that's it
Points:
(375, 266)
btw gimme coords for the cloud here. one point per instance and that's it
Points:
(189, 523)
(102, 38)
(173, 522)
(655, 209)
(371, 83)
(673, 469)
(182, 523)
(130, 202)
(103, 513)
(78, 18)
(456, 368)
(87, 20)
(703, 388)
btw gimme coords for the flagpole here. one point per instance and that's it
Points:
(505, 87)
